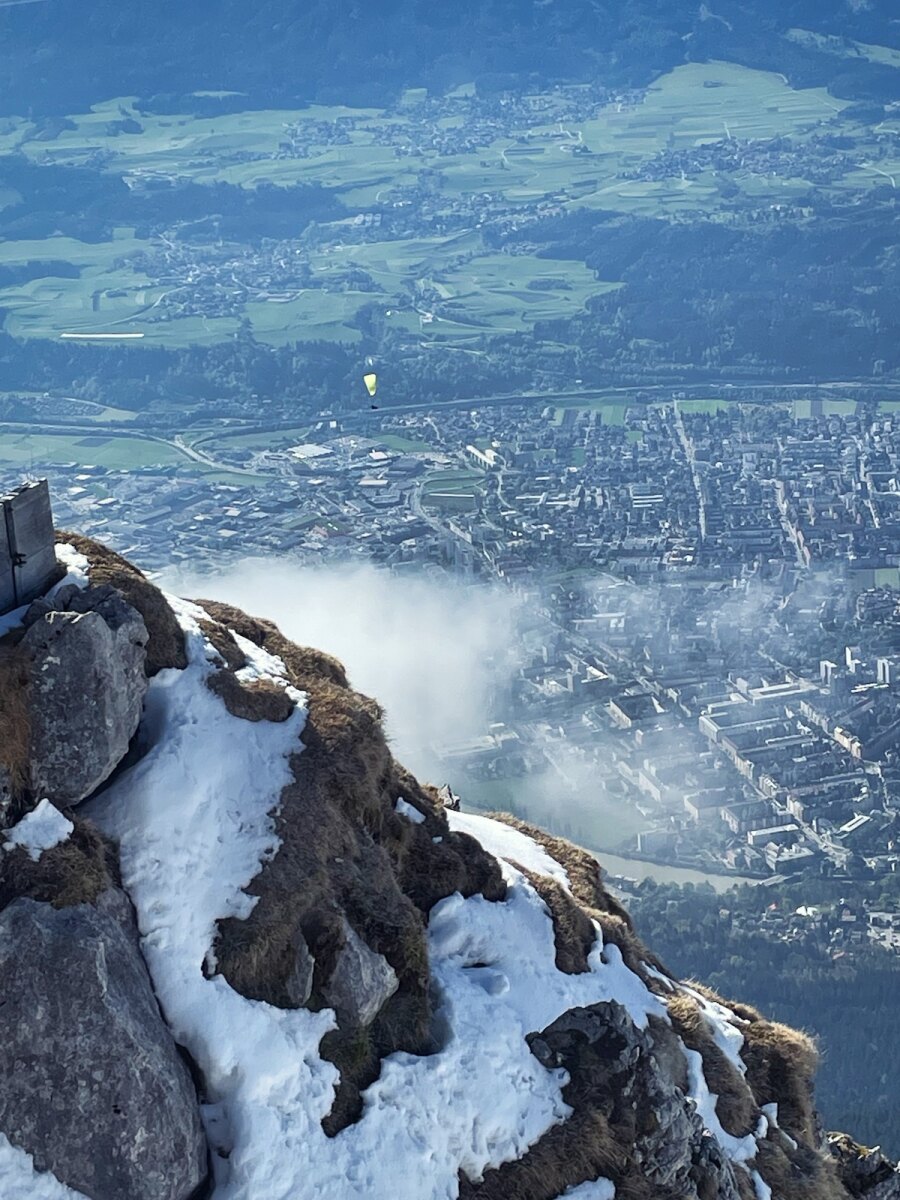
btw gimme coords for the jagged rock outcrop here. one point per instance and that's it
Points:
(85, 653)
(361, 982)
(865, 1173)
(165, 647)
(620, 1074)
(93, 1086)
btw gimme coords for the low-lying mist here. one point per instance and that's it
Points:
(431, 651)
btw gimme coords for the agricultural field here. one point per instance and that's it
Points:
(446, 290)
(703, 407)
(120, 453)
(451, 491)
(105, 297)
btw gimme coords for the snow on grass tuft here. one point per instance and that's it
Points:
(19, 1180)
(723, 1024)
(41, 829)
(77, 568)
(405, 809)
(598, 1189)
(504, 842)
(763, 1191)
(739, 1150)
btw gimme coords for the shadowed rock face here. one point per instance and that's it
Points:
(87, 651)
(6, 795)
(615, 1070)
(864, 1173)
(93, 1084)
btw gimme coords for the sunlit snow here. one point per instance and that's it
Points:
(507, 843)
(19, 1180)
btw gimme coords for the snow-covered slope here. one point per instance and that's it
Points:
(384, 999)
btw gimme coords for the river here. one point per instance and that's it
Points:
(592, 822)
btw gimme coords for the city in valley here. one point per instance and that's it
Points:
(707, 664)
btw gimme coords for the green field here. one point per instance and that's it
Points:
(707, 407)
(839, 408)
(122, 453)
(451, 491)
(104, 299)
(446, 291)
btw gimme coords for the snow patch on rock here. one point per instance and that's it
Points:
(194, 821)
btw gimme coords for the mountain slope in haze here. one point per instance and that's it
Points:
(57, 56)
(361, 991)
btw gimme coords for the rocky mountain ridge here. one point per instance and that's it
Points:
(249, 956)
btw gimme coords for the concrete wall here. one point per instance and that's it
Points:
(27, 553)
(7, 577)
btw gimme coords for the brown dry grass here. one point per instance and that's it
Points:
(302, 662)
(261, 700)
(15, 719)
(582, 1148)
(74, 872)
(735, 1107)
(781, 1065)
(635, 954)
(581, 867)
(224, 644)
(801, 1174)
(573, 930)
(598, 904)
(166, 645)
(745, 1185)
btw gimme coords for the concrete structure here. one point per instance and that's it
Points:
(27, 551)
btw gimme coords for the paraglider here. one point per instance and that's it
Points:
(371, 382)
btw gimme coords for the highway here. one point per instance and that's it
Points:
(729, 391)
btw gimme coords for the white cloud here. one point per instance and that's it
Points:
(427, 648)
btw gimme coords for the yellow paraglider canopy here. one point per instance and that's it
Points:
(371, 382)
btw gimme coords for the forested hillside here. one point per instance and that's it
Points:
(848, 1001)
(357, 53)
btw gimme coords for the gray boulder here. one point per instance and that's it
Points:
(87, 687)
(361, 983)
(93, 1084)
(299, 983)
